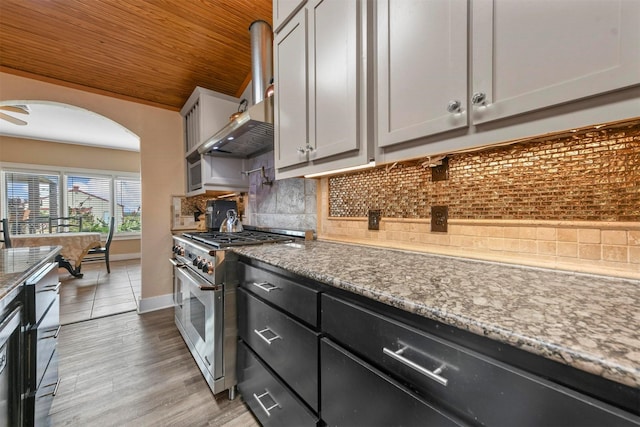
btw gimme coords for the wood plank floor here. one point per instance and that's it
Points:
(135, 370)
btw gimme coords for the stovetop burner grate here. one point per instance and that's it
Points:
(224, 240)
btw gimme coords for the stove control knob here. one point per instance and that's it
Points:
(202, 263)
(181, 250)
(196, 261)
(208, 268)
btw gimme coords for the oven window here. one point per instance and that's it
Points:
(197, 312)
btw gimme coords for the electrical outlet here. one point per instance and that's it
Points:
(439, 217)
(374, 219)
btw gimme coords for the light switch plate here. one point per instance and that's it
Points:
(374, 219)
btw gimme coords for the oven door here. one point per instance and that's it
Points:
(178, 299)
(202, 314)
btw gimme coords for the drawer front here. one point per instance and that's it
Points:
(462, 381)
(44, 339)
(299, 300)
(269, 399)
(41, 290)
(288, 347)
(356, 394)
(38, 404)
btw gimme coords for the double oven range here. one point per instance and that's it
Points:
(205, 282)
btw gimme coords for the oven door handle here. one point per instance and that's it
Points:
(176, 263)
(198, 284)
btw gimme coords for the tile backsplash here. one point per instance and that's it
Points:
(570, 201)
(288, 203)
(591, 176)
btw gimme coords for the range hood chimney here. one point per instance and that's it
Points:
(261, 58)
(251, 133)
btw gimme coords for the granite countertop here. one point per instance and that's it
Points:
(17, 264)
(586, 321)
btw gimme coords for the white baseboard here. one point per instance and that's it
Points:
(123, 257)
(146, 305)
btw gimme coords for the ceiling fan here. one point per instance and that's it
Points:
(17, 108)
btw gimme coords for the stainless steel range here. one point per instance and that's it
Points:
(205, 282)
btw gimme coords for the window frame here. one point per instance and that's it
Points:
(63, 173)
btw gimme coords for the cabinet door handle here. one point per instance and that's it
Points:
(479, 99)
(264, 408)
(265, 339)
(434, 375)
(454, 106)
(265, 286)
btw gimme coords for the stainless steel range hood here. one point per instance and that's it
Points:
(251, 133)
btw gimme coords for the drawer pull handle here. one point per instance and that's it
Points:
(265, 339)
(265, 286)
(434, 375)
(55, 333)
(55, 389)
(264, 408)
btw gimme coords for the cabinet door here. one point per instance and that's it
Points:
(333, 64)
(421, 68)
(282, 10)
(532, 54)
(291, 96)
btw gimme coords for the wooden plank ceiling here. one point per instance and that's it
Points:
(151, 51)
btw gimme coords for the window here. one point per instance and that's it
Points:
(128, 204)
(30, 198)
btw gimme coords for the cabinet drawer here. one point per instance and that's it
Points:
(269, 399)
(41, 290)
(43, 341)
(38, 404)
(356, 394)
(288, 347)
(299, 300)
(464, 382)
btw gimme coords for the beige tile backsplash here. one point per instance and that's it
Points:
(571, 202)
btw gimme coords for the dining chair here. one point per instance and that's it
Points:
(65, 224)
(102, 252)
(5, 237)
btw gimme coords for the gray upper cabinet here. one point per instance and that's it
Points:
(321, 69)
(421, 68)
(528, 55)
(283, 10)
(525, 57)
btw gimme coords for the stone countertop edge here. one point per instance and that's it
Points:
(585, 321)
(11, 281)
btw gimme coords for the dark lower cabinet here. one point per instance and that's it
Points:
(353, 393)
(269, 399)
(366, 364)
(288, 347)
(478, 389)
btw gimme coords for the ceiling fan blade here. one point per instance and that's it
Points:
(12, 119)
(21, 109)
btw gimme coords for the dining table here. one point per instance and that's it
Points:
(75, 246)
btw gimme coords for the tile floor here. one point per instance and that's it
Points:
(99, 294)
